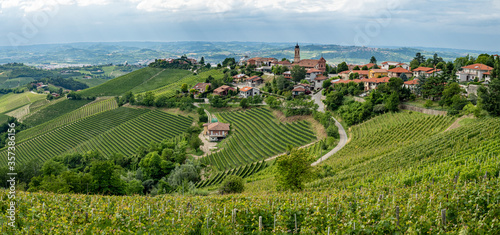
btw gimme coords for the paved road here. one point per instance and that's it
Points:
(343, 135)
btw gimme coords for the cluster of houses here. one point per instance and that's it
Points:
(373, 77)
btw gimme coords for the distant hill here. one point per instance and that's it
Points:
(214, 52)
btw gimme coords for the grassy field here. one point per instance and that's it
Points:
(53, 111)
(3, 118)
(137, 81)
(257, 135)
(11, 101)
(93, 81)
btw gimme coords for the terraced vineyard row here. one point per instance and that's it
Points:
(465, 153)
(83, 112)
(63, 139)
(127, 137)
(122, 84)
(386, 133)
(257, 136)
(169, 90)
(242, 171)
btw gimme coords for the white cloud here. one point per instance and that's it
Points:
(43, 5)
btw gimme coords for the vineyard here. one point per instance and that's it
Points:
(53, 111)
(257, 135)
(83, 112)
(12, 101)
(120, 85)
(242, 171)
(165, 78)
(126, 138)
(71, 136)
(463, 207)
(169, 90)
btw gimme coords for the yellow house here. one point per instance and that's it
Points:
(375, 73)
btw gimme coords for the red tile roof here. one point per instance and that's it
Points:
(347, 71)
(399, 70)
(320, 78)
(361, 72)
(254, 78)
(412, 82)
(348, 81)
(299, 89)
(245, 89)
(314, 71)
(433, 71)
(369, 65)
(377, 80)
(223, 88)
(478, 67)
(218, 126)
(201, 85)
(424, 69)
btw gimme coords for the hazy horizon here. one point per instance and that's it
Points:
(472, 25)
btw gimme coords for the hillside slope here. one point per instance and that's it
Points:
(138, 81)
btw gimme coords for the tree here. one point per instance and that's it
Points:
(232, 184)
(404, 77)
(364, 68)
(356, 68)
(184, 87)
(342, 67)
(419, 58)
(228, 62)
(105, 178)
(195, 142)
(490, 96)
(373, 60)
(334, 100)
(149, 99)
(189, 171)
(154, 166)
(202, 60)
(293, 170)
(392, 102)
(244, 103)
(353, 76)
(327, 83)
(298, 73)
(449, 92)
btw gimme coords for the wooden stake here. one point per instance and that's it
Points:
(397, 215)
(260, 223)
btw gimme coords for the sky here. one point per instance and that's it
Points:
(467, 24)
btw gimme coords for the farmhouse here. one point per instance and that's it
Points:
(375, 73)
(396, 72)
(246, 92)
(312, 73)
(254, 81)
(372, 83)
(201, 87)
(287, 75)
(318, 81)
(223, 90)
(240, 77)
(412, 85)
(216, 131)
(361, 73)
(387, 65)
(473, 71)
(425, 71)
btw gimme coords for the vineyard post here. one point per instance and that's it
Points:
(260, 223)
(443, 216)
(295, 222)
(224, 211)
(173, 221)
(397, 215)
(328, 231)
(274, 224)
(149, 211)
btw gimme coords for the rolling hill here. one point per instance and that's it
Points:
(424, 179)
(138, 81)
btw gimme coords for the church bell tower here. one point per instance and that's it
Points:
(296, 59)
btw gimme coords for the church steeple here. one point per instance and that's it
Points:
(296, 59)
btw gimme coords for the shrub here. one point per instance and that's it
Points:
(232, 184)
(330, 141)
(428, 104)
(333, 131)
